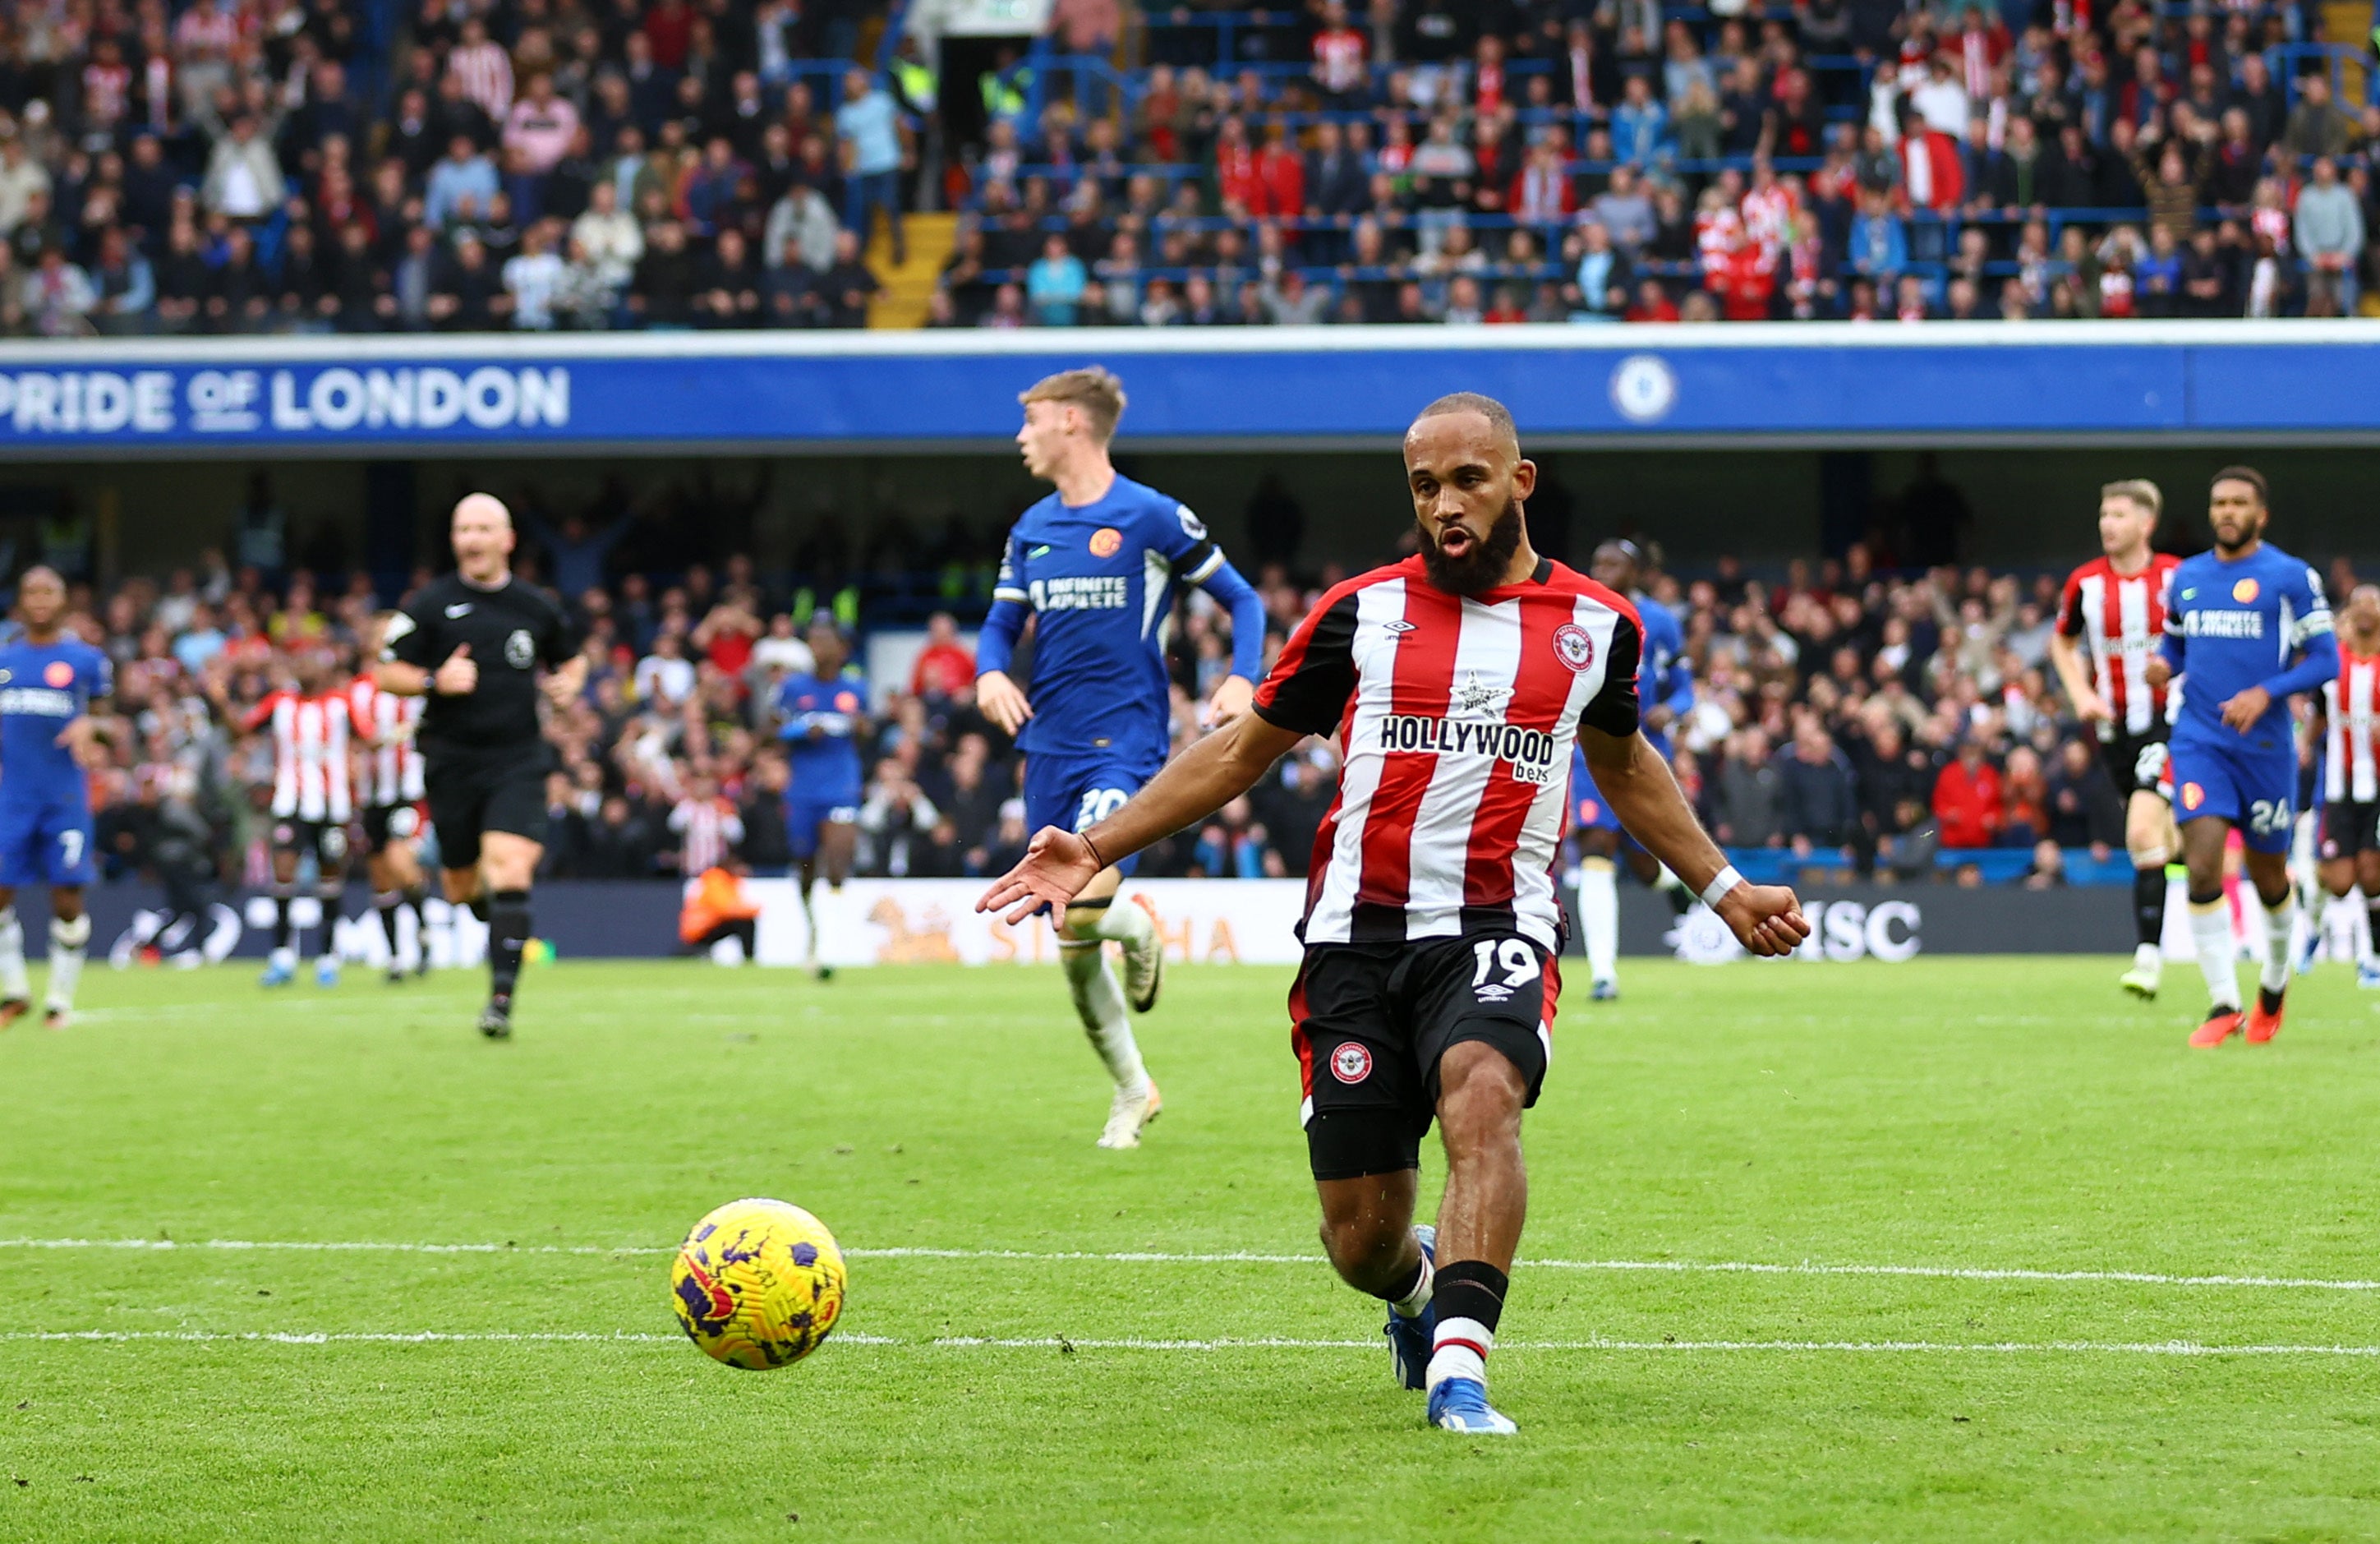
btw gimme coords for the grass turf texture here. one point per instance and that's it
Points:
(1946, 1112)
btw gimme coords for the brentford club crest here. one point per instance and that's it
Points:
(1350, 1063)
(1575, 646)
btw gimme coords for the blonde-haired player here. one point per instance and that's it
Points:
(1098, 567)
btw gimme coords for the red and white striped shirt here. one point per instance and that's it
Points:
(2123, 617)
(1457, 714)
(711, 828)
(390, 769)
(486, 72)
(2350, 768)
(309, 755)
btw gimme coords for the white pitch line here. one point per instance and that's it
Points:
(1267, 1342)
(1147, 1257)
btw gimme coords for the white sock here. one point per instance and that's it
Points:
(68, 942)
(2210, 934)
(1460, 1350)
(809, 922)
(1099, 1002)
(2279, 929)
(1599, 916)
(13, 985)
(1125, 922)
(2148, 957)
(1416, 1302)
(285, 957)
(2358, 920)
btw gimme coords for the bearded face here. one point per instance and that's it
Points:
(1462, 562)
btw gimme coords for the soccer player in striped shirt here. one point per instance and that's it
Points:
(1097, 565)
(2115, 605)
(2349, 725)
(311, 808)
(1455, 681)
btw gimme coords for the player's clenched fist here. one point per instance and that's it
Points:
(1001, 702)
(1766, 918)
(458, 676)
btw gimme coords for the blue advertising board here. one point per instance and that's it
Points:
(1822, 383)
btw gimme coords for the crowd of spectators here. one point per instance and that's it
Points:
(1445, 162)
(250, 165)
(1850, 718)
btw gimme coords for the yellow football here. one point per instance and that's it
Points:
(758, 1284)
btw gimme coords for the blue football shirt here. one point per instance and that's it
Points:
(819, 721)
(2236, 625)
(1101, 580)
(45, 687)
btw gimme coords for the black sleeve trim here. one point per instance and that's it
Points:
(1313, 695)
(1614, 708)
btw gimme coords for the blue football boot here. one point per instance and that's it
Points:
(1410, 1339)
(1461, 1405)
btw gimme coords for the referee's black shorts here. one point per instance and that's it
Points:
(470, 796)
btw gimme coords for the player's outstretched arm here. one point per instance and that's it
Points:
(1766, 918)
(1195, 784)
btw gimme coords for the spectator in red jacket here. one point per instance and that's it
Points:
(1931, 174)
(944, 668)
(1967, 799)
(1280, 176)
(1237, 181)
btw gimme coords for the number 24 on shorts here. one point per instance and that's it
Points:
(1514, 956)
(2267, 816)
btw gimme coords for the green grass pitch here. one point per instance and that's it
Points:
(1962, 1117)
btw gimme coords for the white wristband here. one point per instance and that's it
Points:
(1716, 890)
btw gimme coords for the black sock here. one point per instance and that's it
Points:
(2148, 903)
(1407, 1284)
(507, 931)
(1470, 1289)
(2371, 910)
(412, 899)
(385, 904)
(280, 921)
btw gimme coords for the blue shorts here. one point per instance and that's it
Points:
(1586, 806)
(804, 815)
(2254, 790)
(1075, 793)
(45, 844)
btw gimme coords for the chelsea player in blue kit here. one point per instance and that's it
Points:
(2247, 628)
(49, 683)
(1099, 565)
(1666, 683)
(819, 718)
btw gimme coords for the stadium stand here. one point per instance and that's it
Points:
(1900, 725)
(258, 165)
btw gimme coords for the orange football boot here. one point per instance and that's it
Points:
(2220, 1026)
(2264, 1020)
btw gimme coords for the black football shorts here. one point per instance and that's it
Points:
(469, 798)
(2350, 829)
(2136, 763)
(1371, 1021)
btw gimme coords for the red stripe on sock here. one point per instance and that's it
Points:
(1472, 1346)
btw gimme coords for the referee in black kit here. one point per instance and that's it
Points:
(472, 641)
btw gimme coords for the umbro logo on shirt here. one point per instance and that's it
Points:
(460, 608)
(1399, 626)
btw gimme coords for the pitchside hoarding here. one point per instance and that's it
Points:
(665, 392)
(1203, 921)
